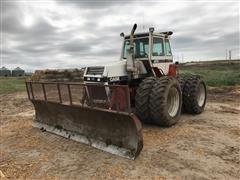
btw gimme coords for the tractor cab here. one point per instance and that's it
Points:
(157, 44)
(143, 55)
(152, 48)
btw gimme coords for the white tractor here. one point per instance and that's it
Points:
(146, 67)
(106, 110)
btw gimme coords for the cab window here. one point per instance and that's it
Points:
(157, 49)
(168, 48)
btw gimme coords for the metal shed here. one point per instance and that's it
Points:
(5, 72)
(18, 72)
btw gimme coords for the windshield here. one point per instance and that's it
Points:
(140, 48)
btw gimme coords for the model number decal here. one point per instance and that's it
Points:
(114, 79)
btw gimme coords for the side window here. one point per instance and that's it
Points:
(126, 47)
(168, 48)
(157, 49)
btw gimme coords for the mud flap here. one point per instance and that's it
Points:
(118, 133)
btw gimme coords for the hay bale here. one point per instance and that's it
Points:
(64, 75)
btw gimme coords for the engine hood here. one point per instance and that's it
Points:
(115, 69)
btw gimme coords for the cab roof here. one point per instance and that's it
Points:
(138, 35)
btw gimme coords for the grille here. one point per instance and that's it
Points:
(95, 70)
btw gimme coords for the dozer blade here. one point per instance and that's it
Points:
(113, 131)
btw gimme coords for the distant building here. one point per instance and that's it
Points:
(5, 72)
(18, 72)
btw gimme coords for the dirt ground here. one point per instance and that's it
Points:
(205, 146)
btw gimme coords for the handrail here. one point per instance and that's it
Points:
(75, 83)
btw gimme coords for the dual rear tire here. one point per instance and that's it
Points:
(194, 95)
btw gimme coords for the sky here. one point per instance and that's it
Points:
(40, 34)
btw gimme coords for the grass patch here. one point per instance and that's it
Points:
(215, 74)
(12, 84)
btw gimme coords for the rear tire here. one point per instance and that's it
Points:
(142, 99)
(194, 95)
(166, 101)
(182, 80)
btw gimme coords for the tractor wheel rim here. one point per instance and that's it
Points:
(173, 102)
(201, 95)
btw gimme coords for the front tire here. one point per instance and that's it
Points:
(142, 99)
(165, 101)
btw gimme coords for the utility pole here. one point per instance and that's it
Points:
(182, 58)
(226, 54)
(230, 56)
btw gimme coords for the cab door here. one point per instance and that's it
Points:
(161, 53)
(168, 51)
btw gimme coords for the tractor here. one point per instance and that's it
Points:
(146, 66)
(107, 110)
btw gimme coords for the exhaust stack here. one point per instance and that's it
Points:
(130, 55)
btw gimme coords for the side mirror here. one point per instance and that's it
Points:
(176, 62)
(122, 34)
(151, 29)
